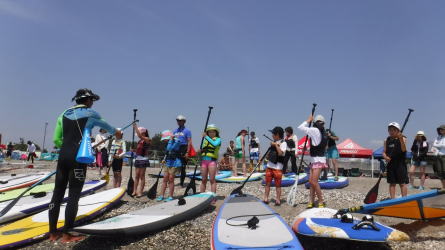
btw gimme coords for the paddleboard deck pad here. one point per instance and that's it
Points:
(150, 219)
(318, 222)
(12, 194)
(36, 227)
(29, 205)
(230, 229)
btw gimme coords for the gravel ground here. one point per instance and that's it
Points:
(195, 233)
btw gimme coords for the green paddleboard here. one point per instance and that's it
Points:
(9, 195)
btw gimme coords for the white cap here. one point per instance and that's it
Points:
(181, 118)
(319, 118)
(394, 124)
(421, 133)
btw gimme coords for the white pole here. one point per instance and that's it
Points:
(372, 166)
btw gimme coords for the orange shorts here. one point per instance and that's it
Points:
(274, 174)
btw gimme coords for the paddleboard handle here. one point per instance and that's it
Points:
(361, 224)
(181, 202)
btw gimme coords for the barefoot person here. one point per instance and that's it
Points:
(319, 141)
(185, 136)
(439, 153)
(209, 156)
(67, 135)
(394, 153)
(142, 162)
(275, 164)
(116, 159)
(419, 150)
(173, 164)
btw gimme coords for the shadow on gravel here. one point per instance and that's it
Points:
(314, 243)
(113, 242)
(413, 228)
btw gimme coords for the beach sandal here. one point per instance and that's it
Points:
(168, 199)
(310, 205)
(277, 203)
(160, 198)
(322, 205)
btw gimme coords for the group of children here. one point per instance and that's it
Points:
(283, 148)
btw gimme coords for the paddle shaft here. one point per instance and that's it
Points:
(12, 203)
(130, 187)
(330, 122)
(111, 137)
(305, 141)
(192, 181)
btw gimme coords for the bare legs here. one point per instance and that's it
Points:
(315, 187)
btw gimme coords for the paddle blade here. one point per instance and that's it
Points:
(152, 192)
(191, 186)
(237, 190)
(85, 153)
(371, 197)
(130, 186)
(106, 177)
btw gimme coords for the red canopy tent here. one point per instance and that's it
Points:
(350, 149)
(301, 144)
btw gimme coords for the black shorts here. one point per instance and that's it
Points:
(397, 172)
(117, 165)
(141, 163)
(104, 157)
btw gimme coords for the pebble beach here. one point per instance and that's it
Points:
(196, 232)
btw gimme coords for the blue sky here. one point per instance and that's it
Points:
(259, 63)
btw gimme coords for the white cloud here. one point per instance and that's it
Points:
(18, 10)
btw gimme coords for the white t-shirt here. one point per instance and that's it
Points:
(279, 165)
(98, 139)
(439, 145)
(254, 150)
(315, 136)
(32, 148)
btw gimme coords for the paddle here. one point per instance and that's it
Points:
(238, 189)
(151, 194)
(106, 177)
(293, 192)
(192, 184)
(325, 171)
(130, 185)
(13, 202)
(371, 196)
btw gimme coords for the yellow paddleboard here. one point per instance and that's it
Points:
(36, 227)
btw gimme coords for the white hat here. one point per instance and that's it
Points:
(421, 133)
(181, 118)
(394, 124)
(319, 118)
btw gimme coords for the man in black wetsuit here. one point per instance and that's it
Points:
(67, 136)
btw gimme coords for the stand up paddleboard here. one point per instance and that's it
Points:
(32, 204)
(239, 179)
(244, 222)
(289, 180)
(10, 195)
(150, 219)
(218, 176)
(20, 180)
(188, 174)
(331, 183)
(36, 227)
(319, 222)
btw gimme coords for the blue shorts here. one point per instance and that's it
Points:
(332, 153)
(174, 162)
(254, 156)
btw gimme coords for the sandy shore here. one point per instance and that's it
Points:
(195, 233)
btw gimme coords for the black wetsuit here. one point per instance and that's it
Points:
(67, 136)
